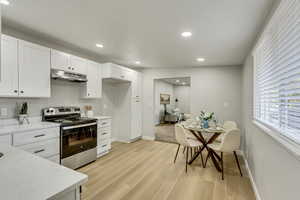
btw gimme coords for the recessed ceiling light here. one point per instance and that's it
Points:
(99, 45)
(200, 59)
(4, 2)
(186, 34)
(137, 62)
(177, 81)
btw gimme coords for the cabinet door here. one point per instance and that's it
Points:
(116, 72)
(78, 65)
(94, 81)
(9, 67)
(34, 70)
(60, 60)
(136, 119)
(136, 84)
(5, 139)
(99, 83)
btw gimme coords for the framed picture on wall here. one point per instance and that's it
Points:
(165, 98)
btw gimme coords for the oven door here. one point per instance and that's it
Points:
(78, 138)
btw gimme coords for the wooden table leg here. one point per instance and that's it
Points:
(215, 162)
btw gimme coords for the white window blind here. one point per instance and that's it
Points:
(277, 72)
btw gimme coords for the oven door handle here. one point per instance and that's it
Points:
(79, 126)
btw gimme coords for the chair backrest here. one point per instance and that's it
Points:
(180, 135)
(228, 125)
(231, 140)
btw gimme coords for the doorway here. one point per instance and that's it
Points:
(171, 105)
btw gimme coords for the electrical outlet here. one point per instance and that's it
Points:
(3, 112)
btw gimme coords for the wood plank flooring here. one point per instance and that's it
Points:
(144, 170)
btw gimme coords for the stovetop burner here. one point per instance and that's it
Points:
(65, 116)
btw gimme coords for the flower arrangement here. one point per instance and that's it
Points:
(207, 116)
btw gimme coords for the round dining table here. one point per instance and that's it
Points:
(211, 134)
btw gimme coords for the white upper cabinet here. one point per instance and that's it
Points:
(114, 71)
(93, 88)
(78, 65)
(67, 62)
(136, 84)
(60, 60)
(9, 67)
(34, 70)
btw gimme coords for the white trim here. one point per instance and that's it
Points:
(254, 186)
(285, 142)
(148, 138)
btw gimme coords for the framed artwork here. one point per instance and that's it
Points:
(165, 98)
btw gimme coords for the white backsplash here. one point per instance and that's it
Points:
(63, 93)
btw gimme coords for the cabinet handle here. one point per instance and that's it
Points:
(22, 91)
(104, 133)
(122, 76)
(88, 94)
(15, 91)
(103, 123)
(104, 145)
(39, 151)
(69, 67)
(72, 68)
(41, 135)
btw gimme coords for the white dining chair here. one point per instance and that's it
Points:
(229, 125)
(230, 143)
(185, 138)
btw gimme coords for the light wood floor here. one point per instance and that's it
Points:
(144, 170)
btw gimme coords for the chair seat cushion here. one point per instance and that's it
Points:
(194, 142)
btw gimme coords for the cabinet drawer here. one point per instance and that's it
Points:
(104, 122)
(44, 149)
(104, 133)
(35, 136)
(105, 145)
(54, 159)
(5, 139)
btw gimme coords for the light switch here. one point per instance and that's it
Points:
(3, 112)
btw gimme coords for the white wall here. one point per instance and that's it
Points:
(182, 93)
(211, 87)
(275, 170)
(116, 102)
(161, 87)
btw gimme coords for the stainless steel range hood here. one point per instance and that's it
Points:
(68, 76)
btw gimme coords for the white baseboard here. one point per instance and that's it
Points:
(148, 138)
(257, 195)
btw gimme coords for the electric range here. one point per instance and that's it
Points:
(78, 135)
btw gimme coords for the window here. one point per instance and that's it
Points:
(277, 72)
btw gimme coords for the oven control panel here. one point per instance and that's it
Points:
(60, 111)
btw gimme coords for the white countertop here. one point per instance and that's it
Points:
(29, 177)
(102, 117)
(14, 128)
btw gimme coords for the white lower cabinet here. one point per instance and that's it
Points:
(104, 136)
(42, 142)
(5, 139)
(45, 149)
